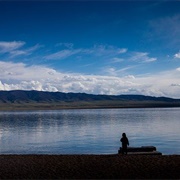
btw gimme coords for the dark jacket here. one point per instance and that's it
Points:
(125, 142)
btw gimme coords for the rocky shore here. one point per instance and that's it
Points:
(89, 166)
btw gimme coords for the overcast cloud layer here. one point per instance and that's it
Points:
(19, 76)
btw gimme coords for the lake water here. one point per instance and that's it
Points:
(88, 131)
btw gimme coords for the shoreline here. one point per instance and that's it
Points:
(103, 104)
(44, 108)
(108, 166)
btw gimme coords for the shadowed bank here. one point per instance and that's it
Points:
(89, 166)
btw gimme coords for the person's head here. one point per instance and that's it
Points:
(123, 134)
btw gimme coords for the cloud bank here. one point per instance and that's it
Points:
(20, 76)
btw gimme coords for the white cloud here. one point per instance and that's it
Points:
(142, 57)
(27, 51)
(123, 50)
(178, 69)
(63, 54)
(177, 55)
(13, 48)
(103, 51)
(18, 53)
(7, 47)
(107, 50)
(112, 71)
(20, 76)
(116, 60)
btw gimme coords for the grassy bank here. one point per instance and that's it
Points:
(83, 105)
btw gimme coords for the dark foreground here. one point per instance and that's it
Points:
(89, 166)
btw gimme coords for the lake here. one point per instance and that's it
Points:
(88, 131)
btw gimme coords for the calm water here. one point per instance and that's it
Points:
(88, 131)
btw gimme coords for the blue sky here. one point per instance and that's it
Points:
(98, 47)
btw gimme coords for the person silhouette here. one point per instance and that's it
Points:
(125, 142)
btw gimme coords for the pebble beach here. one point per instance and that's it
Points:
(90, 166)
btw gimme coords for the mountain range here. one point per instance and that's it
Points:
(57, 100)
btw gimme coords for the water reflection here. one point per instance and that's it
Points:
(88, 131)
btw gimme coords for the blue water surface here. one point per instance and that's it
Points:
(88, 131)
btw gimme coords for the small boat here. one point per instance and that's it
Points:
(143, 150)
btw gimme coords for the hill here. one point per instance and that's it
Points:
(20, 99)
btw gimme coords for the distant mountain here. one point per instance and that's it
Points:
(42, 96)
(56, 100)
